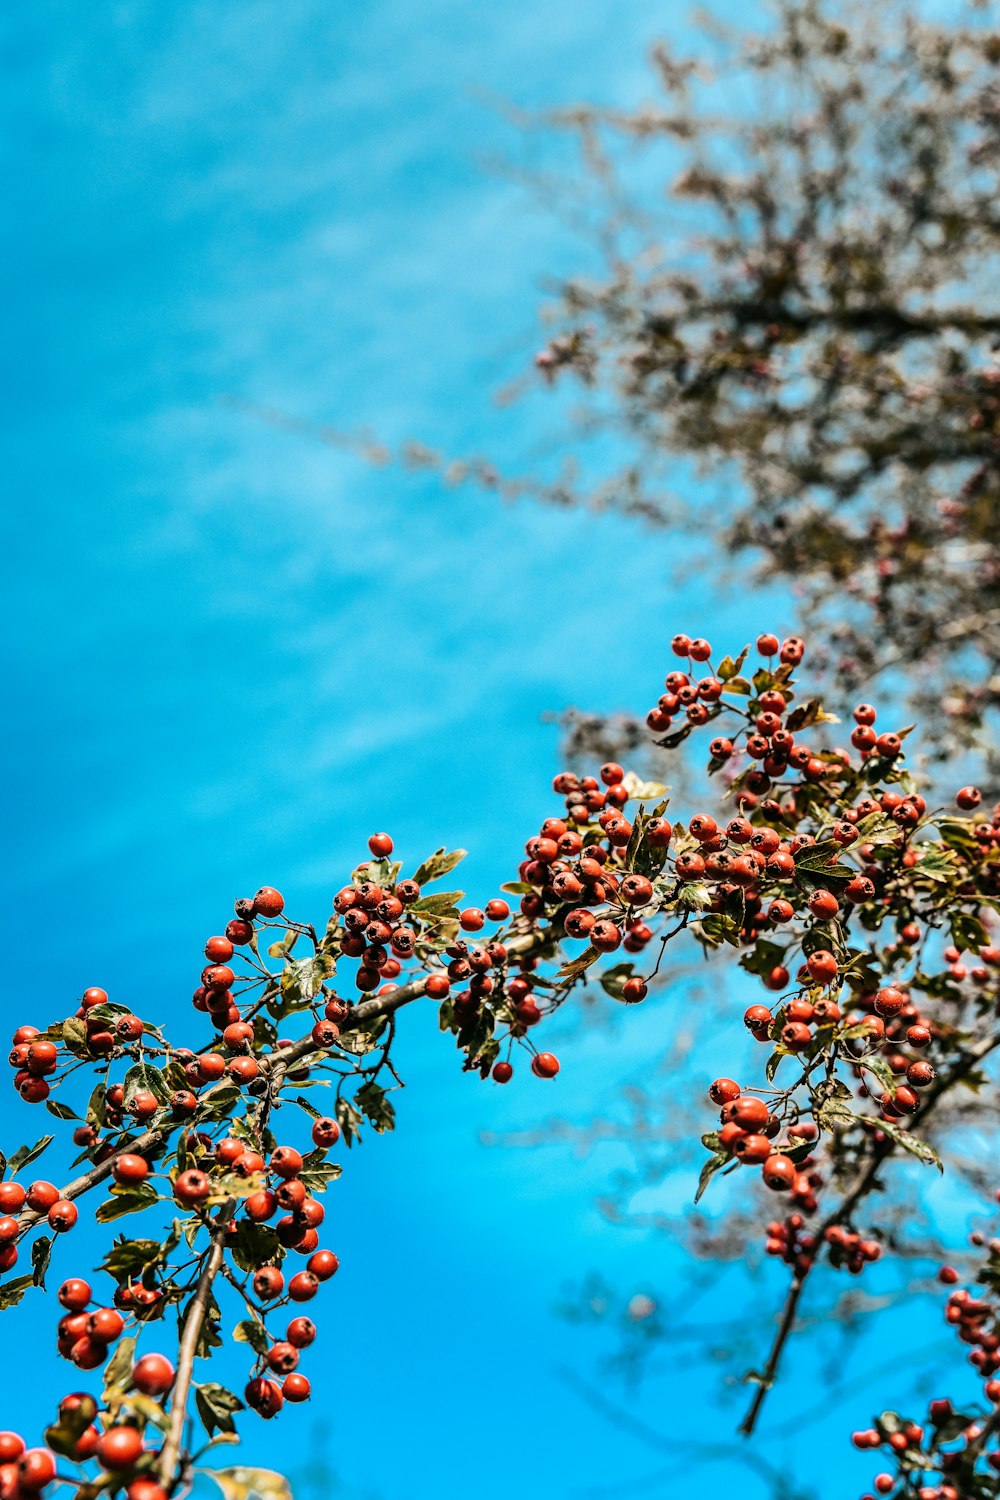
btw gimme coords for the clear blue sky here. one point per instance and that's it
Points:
(231, 653)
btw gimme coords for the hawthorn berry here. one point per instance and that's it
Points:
(268, 902)
(153, 1374)
(119, 1448)
(544, 1065)
(303, 1286)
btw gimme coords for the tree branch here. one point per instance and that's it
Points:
(170, 1452)
(862, 1185)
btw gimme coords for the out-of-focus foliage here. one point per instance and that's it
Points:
(798, 290)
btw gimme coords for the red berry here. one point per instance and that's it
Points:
(119, 1447)
(264, 1396)
(74, 1294)
(322, 1265)
(303, 1286)
(153, 1374)
(41, 1196)
(380, 845)
(325, 1132)
(268, 902)
(130, 1168)
(545, 1065)
(301, 1332)
(63, 1215)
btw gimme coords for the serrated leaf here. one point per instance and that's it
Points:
(716, 928)
(922, 1150)
(216, 1406)
(968, 933)
(821, 859)
(128, 1200)
(118, 1371)
(25, 1154)
(254, 1245)
(144, 1076)
(11, 1292)
(708, 1171)
(643, 791)
(833, 1115)
(251, 1484)
(41, 1254)
(61, 1111)
(728, 669)
(444, 904)
(371, 1100)
(437, 865)
(249, 1331)
(577, 966)
(612, 980)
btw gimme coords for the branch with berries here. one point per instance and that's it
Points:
(828, 878)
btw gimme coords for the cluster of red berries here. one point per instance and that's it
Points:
(38, 1198)
(942, 1463)
(119, 1448)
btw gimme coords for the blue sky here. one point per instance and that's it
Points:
(233, 653)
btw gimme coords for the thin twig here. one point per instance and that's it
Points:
(193, 1325)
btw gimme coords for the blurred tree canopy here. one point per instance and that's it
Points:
(798, 290)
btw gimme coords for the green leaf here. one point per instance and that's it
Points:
(307, 976)
(833, 1115)
(438, 864)
(127, 1259)
(143, 1076)
(61, 1111)
(74, 1033)
(209, 1337)
(254, 1245)
(612, 980)
(12, 1291)
(728, 669)
(216, 1406)
(717, 928)
(771, 1066)
(912, 1143)
(371, 1100)
(709, 1170)
(24, 1154)
(41, 1254)
(118, 1371)
(968, 933)
(444, 904)
(821, 859)
(877, 829)
(643, 791)
(577, 966)
(126, 1200)
(249, 1331)
(349, 1119)
(251, 1484)
(882, 1071)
